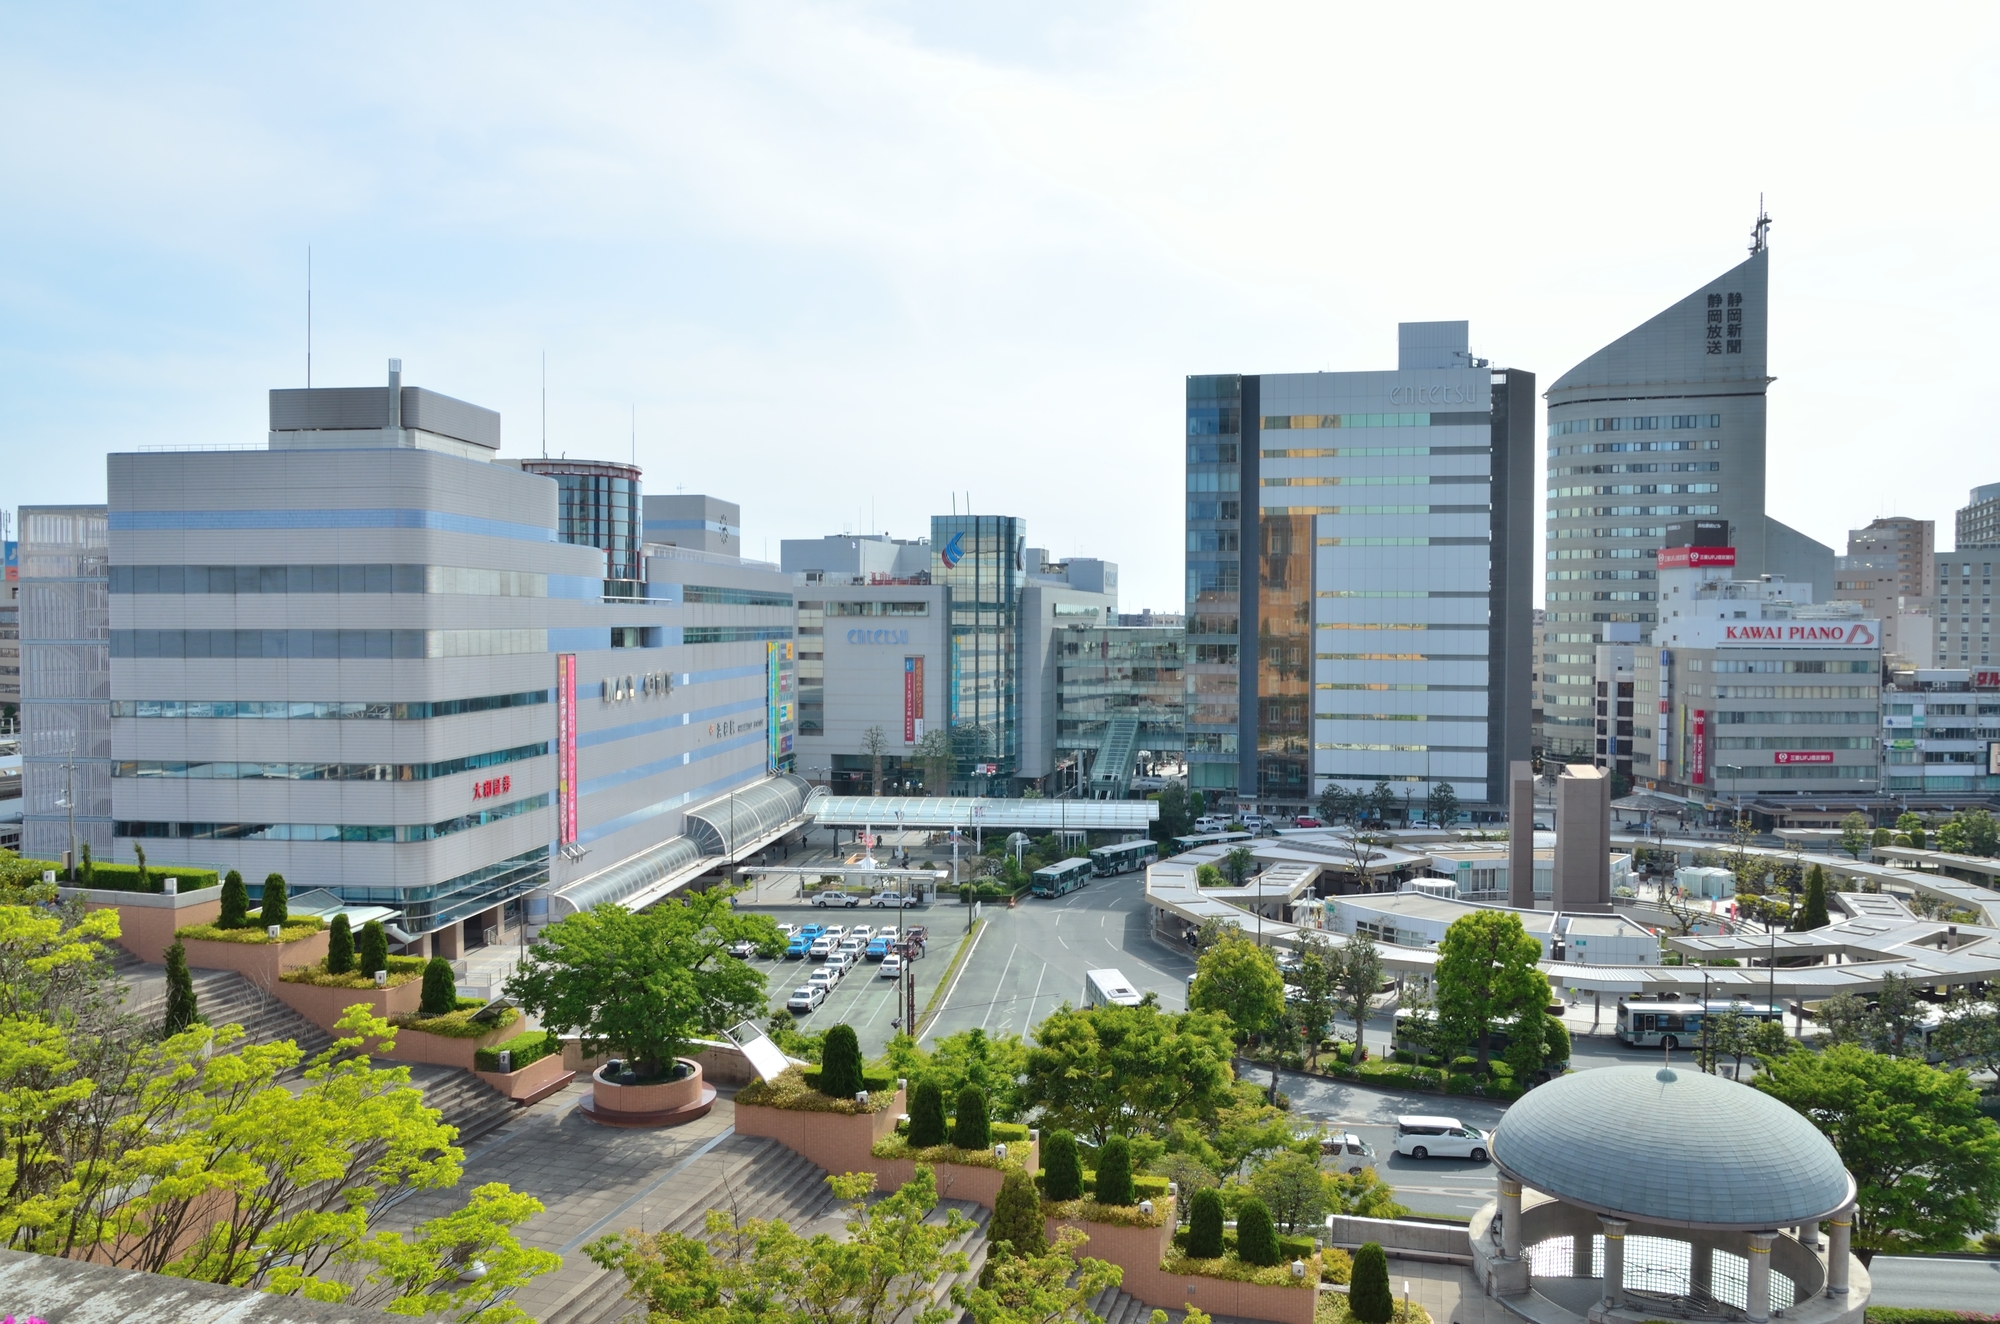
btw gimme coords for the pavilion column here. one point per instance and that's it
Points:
(1757, 1299)
(1614, 1261)
(1839, 1238)
(1701, 1268)
(1510, 1218)
(1809, 1235)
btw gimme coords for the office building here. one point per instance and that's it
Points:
(1963, 606)
(66, 747)
(1940, 736)
(1891, 570)
(1119, 691)
(1750, 691)
(699, 523)
(1978, 521)
(1665, 423)
(957, 633)
(1359, 577)
(378, 659)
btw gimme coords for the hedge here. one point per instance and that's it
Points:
(1232, 1269)
(125, 877)
(1145, 1188)
(305, 926)
(898, 1146)
(456, 1024)
(1118, 1215)
(791, 1092)
(875, 1082)
(530, 1046)
(1920, 1315)
(402, 969)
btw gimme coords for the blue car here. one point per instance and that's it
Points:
(798, 947)
(878, 948)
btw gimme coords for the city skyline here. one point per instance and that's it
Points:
(741, 241)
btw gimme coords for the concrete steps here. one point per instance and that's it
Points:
(466, 1101)
(222, 997)
(746, 1176)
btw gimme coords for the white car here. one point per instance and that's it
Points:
(892, 966)
(853, 943)
(836, 931)
(861, 931)
(822, 945)
(806, 999)
(836, 898)
(788, 930)
(893, 900)
(842, 961)
(1440, 1137)
(826, 977)
(890, 932)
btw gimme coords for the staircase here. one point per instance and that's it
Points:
(222, 997)
(466, 1101)
(1111, 770)
(747, 1176)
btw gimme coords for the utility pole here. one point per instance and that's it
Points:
(69, 803)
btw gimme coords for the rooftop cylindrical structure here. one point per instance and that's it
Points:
(599, 506)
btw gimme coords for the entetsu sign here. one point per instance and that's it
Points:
(1830, 634)
(900, 638)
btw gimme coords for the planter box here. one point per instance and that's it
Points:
(147, 920)
(1139, 1250)
(835, 1141)
(955, 1181)
(325, 1006)
(413, 1045)
(665, 1103)
(533, 1082)
(261, 962)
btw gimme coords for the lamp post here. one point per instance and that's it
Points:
(69, 803)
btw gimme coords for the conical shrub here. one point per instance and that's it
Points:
(1017, 1215)
(1065, 1169)
(374, 948)
(235, 903)
(927, 1126)
(971, 1129)
(1114, 1172)
(1368, 1296)
(181, 1010)
(340, 946)
(840, 1063)
(1256, 1235)
(277, 908)
(440, 988)
(1205, 1225)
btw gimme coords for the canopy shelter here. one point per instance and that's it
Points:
(938, 813)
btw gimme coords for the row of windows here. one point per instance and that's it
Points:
(1601, 574)
(1403, 749)
(327, 772)
(1296, 422)
(1211, 452)
(1372, 452)
(1774, 667)
(1795, 742)
(1807, 772)
(305, 710)
(1598, 597)
(344, 832)
(1604, 554)
(1400, 657)
(1616, 531)
(734, 597)
(1403, 542)
(1214, 421)
(734, 634)
(1226, 510)
(1648, 423)
(327, 579)
(1628, 447)
(1364, 685)
(328, 644)
(1376, 480)
(1792, 692)
(1222, 480)
(1677, 467)
(1604, 512)
(878, 608)
(1635, 489)
(1272, 511)
(1397, 593)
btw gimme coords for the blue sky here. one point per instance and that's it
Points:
(856, 258)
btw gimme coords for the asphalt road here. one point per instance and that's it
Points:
(1937, 1284)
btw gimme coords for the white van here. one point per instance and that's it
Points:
(1440, 1137)
(1208, 823)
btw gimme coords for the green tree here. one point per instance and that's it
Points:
(181, 1011)
(1913, 825)
(1951, 838)
(1363, 1194)
(1290, 1185)
(1854, 837)
(89, 869)
(875, 743)
(1131, 1069)
(145, 879)
(1207, 875)
(645, 983)
(1926, 1163)
(1441, 805)
(933, 755)
(1527, 1044)
(1017, 1217)
(1368, 1296)
(885, 1268)
(1381, 803)
(840, 1063)
(927, 1125)
(374, 948)
(970, 1128)
(1337, 804)
(1238, 979)
(1256, 1238)
(340, 946)
(1177, 814)
(1205, 1225)
(1238, 865)
(1054, 1287)
(1063, 1167)
(1316, 980)
(1969, 1034)
(426, 1274)
(1896, 1021)
(235, 913)
(1357, 978)
(1843, 1019)
(1114, 1172)
(440, 993)
(1486, 974)
(275, 906)
(1812, 915)
(1982, 834)
(1556, 1045)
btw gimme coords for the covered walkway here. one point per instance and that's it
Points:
(965, 812)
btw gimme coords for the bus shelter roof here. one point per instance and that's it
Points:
(965, 811)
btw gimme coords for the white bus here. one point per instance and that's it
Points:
(1060, 878)
(1108, 988)
(1652, 1024)
(1122, 858)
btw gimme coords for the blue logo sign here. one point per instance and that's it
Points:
(900, 638)
(951, 555)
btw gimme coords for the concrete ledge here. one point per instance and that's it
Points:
(325, 1006)
(686, 1112)
(1430, 1242)
(147, 920)
(261, 962)
(835, 1141)
(533, 1082)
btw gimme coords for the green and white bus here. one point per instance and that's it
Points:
(1060, 878)
(1109, 861)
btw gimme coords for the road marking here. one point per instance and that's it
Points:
(1008, 966)
(1065, 946)
(946, 1000)
(1030, 1020)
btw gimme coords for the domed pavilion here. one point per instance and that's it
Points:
(1644, 1193)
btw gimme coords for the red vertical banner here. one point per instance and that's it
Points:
(565, 748)
(913, 699)
(1698, 749)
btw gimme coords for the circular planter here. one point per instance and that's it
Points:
(662, 1103)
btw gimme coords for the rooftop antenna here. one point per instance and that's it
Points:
(635, 435)
(309, 317)
(1760, 238)
(545, 404)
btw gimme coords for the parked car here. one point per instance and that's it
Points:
(743, 947)
(1208, 823)
(878, 947)
(1254, 822)
(889, 931)
(1440, 1137)
(788, 930)
(810, 931)
(892, 966)
(836, 897)
(798, 948)
(893, 900)
(916, 933)
(806, 999)
(822, 945)
(836, 931)
(826, 977)
(842, 959)
(1349, 1153)
(1304, 821)
(860, 931)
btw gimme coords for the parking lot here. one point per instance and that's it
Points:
(863, 999)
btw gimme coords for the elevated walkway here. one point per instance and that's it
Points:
(1111, 769)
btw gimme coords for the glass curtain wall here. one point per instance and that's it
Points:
(598, 506)
(1284, 661)
(979, 558)
(1104, 672)
(1214, 551)
(65, 559)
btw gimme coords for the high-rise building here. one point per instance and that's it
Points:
(1891, 570)
(1359, 571)
(980, 559)
(1978, 522)
(1664, 423)
(65, 681)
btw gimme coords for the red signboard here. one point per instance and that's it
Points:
(1802, 756)
(565, 748)
(1698, 749)
(1986, 680)
(1849, 634)
(1692, 558)
(913, 700)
